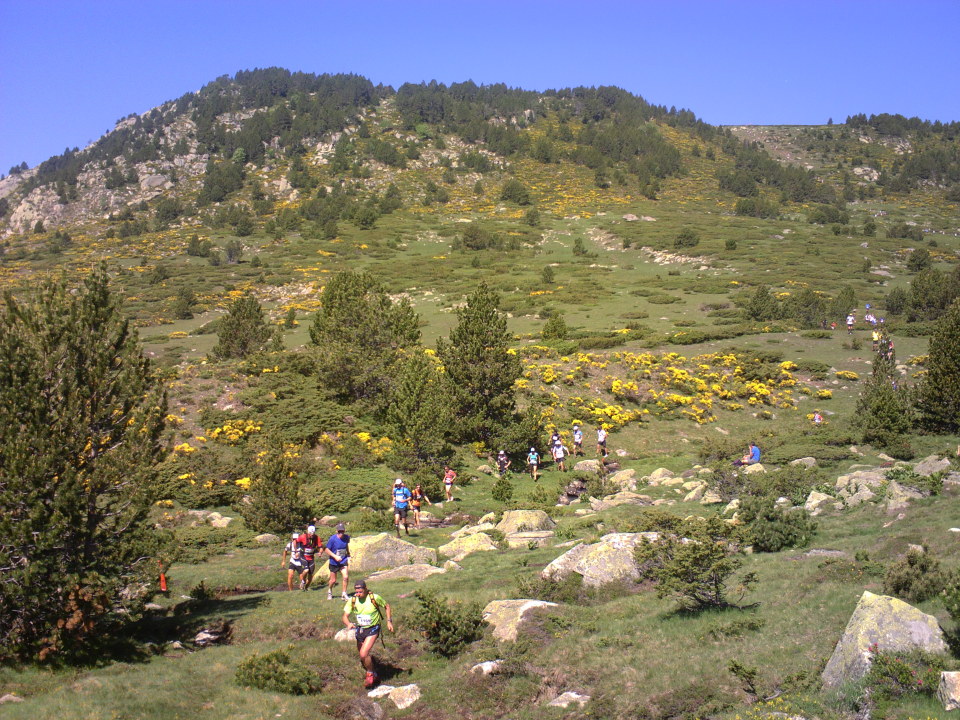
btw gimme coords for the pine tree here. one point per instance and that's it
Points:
(274, 497)
(358, 334)
(80, 420)
(763, 305)
(419, 411)
(885, 408)
(242, 330)
(481, 369)
(939, 394)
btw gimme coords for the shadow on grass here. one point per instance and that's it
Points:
(183, 621)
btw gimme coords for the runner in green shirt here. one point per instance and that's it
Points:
(369, 611)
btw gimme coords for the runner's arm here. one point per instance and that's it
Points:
(386, 607)
(346, 621)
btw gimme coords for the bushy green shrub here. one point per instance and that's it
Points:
(334, 494)
(770, 528)
(274, 672)
(893, 676)
(273, 502)
(695, 566)
(502, 490)
(448, 628)
(793, 481)
(651, 520)
(916, 576)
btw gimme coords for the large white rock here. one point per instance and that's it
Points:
(887, 623)
(609, 560)
(523, 520)
(506, 616)
(569, 698)
(383, 551)
(949, 691)
(467, 545)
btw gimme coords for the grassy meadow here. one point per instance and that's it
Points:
(658, 348)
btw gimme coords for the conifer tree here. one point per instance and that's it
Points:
(939, 394)
(885, 407)
(80, 420)
(481, 369)
(358, 333)
(242, 331)
(419, 411)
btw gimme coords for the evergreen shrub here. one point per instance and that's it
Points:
(448, 627)
(274, 672)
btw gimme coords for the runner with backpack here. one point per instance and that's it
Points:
(369, 611)
(296, 563)
(309, 545)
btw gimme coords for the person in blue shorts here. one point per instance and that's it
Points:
(401, 505)
(338, 548)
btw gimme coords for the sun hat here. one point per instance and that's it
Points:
(311, 529)
(398, 481)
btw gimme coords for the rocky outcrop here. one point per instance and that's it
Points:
(506, 616)
(417, 572)
(588, 466)
(532, 538)
(609, 560)
(930, 465)
(381, 552)
(522, 520)
(818, 503)
(886, 623)
(472, 530)
(467, 545)
(624, 480)
(266, 539)
(569, 698)
(624, 497)
(949, 691)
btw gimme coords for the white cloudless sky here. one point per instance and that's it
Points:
(70, 68)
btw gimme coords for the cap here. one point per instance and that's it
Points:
(311, 529)
(360, 584)
(502, 452)
(398, 481)
(341, 527)
(532, 450)
(294, 536)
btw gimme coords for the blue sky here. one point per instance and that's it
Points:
(70, 69)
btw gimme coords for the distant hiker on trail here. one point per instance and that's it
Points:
(338, 548)
(851, 319)
(448, 477)
(533, 463)
(577, 441)
(559, 453)
(369, 611)
(601, 441)
(555, 439)
(416, 498)
(875, 335)
(817, 418)
(503, 463)
(751, 458)
(296, 563)
(309, 545)
(401, 505)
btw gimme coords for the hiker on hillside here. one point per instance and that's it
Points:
(751, 458)
(295, 565)
(601, 441)
(449, 475)
(369, 610)
(533, 463)
(817, 418)
(851, 319)
(417, 497)
(338, 549)
(309, 545)
(555, 439)
(577, 441)
(401, 504)
(503, 463)
(559, 455)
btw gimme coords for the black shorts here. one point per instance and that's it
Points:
(365, 632)
(308, 566)
(295, 566)
(402, 512)
(336, 567)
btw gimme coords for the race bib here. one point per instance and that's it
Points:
(364, 620)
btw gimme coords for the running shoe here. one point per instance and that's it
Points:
(370, 680)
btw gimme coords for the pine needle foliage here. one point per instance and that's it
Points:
(80, 420)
